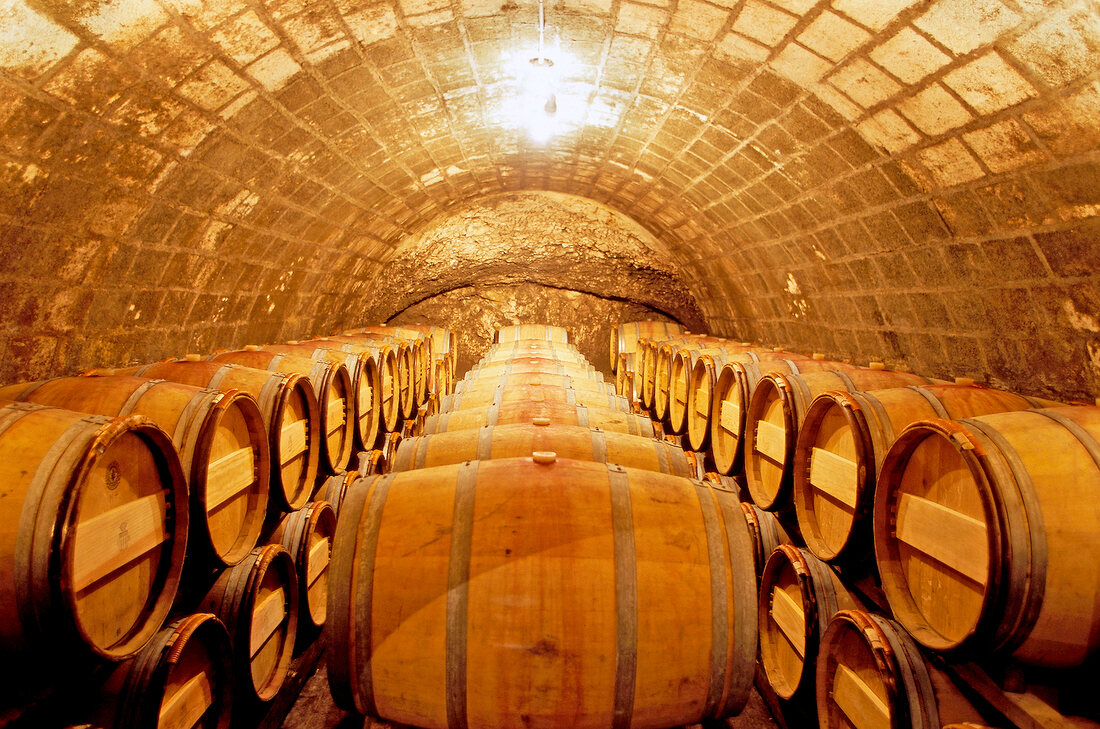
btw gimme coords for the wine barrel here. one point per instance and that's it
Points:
(995, 518)
(221, 441)
(799, 595)
(624, 378)
(624, 338)
(405, 389)
(544, 332)
(533, 364)
(524, 379)
(333, 489)
(332, 387)
(444, 342)
(843, 439)
(775, 414)
(289, 408)
(535, 394)
(307, 534)
(767, 534)
(510, 413)
(258, 602)
(182, 678)
(871, 675)
(650, 349)
(733, 391)
(493, 357)
(95, 515)
(442, 377)
(568, 441)
(419, 356)
(367, 375)
(580, 592)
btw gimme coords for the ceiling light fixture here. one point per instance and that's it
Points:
(540, 85)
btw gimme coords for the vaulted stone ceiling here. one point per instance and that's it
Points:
(911, 180)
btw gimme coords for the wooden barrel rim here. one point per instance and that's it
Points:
(786, 392)
(295, 495)
(700, 402)
(725, 417)
(141, 702)
(296, 532)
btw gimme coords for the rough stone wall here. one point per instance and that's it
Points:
(899, 179)
(554, 240)
(476, 312)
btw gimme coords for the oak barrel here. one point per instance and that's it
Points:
(181, 679)
(367, 375)
(510, 594)
(533, 364)
(220, 437)
(333, 488)
(332, 387)
(799, 595)
(522, 439)
(258, 602)
(404, 389)
(871, 675)
(289, 408)
(307, 534)
(555, 413)
(624, 338)
(95, 530)
(419, 354)
(985, 533)
(775, 414)
(544, 332)
(534, 393)
(534, 378)
(767, 533)
(843, 439)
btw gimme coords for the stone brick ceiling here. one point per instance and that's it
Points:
(899, 179)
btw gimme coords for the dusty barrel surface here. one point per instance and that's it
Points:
(525, 379)
(219, 435)
(366, 378)
(257, 600)
(985, 533)
(182, 678)
(870, 674)
(289, 408)
(555, 615)
(96, 520)
(799, 595)
(522, 439)
(544, 332)
(776, 411)
(332, 386)
(510, 413)
(307, 534)
(533, 393)
(843, 439)
(624, 338)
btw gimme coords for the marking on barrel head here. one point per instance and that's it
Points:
(335, 414)
(266, 619)
(117, 537)
(228, 476)
(292, 440)
(318, 560)
(947, 536)
(788, 615)
(183, 709)
(859, 703)
(771, 440)
(730, 418)
(834, 475)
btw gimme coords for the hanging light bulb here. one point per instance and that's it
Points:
(540, 88)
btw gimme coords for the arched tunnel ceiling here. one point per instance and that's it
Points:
(900, 179)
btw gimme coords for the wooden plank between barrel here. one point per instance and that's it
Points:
(788, 615)
(947, 536)
(292, 440)
(834, 475)
(318, 560)
(228, 476)
(771, 440)
(702, 404)
(859, 703)
(730, 418)
(681, 392)
(266, 618)
(118, 537)
(184, 708)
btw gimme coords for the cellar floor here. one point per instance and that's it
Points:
(314, 710)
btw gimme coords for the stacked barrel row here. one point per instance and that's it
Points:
(966, 514)
(139, 497)
(539, 556)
